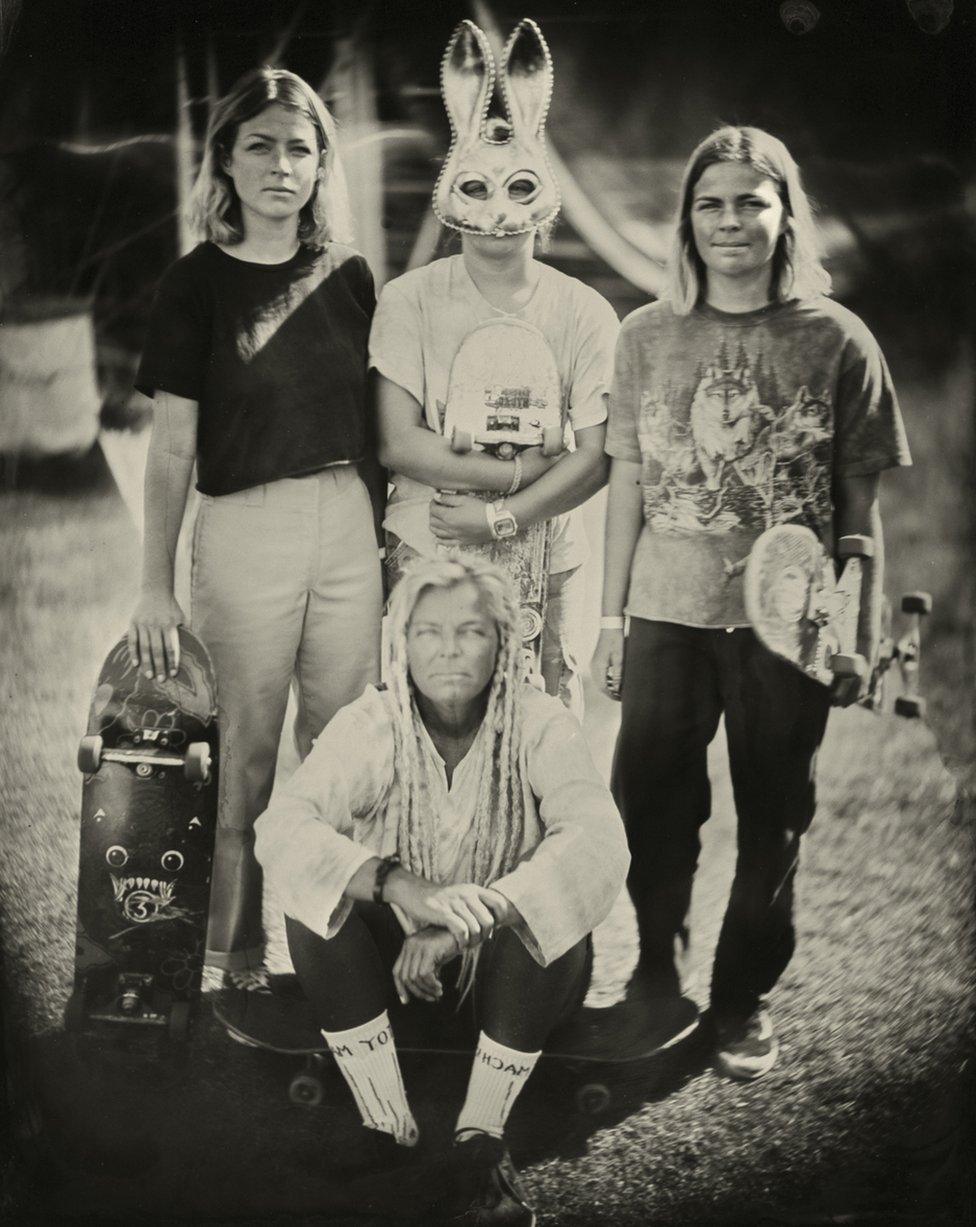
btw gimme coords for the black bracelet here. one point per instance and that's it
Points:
(383, 871)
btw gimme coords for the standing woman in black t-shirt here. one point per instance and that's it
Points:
(256, 357)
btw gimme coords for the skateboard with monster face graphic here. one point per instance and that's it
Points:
(148, 821)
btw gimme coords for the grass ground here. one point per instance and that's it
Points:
(861, 1120)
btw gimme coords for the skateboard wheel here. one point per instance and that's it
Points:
(305, 1089)
(916, 603)
(911, 706)
(75, 1014)
(90, 754)
(530, 623)
(842, 665)
(461, 441)
(179, 1020)
(593, 1098)
(196, 765)
(552, 440)
(855, 546)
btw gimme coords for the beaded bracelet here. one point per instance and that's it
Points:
(383, 871)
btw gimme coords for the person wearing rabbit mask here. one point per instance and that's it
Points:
(497, 190)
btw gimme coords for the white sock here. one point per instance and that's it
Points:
(497, 1076)
(367, 1057)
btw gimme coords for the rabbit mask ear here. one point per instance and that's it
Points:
(467, 80)
(526, 77)
(496, 179)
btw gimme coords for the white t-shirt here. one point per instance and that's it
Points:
(422, 318)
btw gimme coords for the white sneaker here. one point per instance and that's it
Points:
(747, 1049)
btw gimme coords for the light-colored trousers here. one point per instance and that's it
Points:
(286, 583)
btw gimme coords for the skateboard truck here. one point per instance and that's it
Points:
(195, 763)
(908, 653)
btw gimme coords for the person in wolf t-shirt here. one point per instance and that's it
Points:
(745, 398)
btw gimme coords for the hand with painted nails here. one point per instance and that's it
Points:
(154, 640)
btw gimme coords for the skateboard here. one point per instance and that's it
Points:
(595, 1048)
(148, 822)
(809, 617)
(799, 609)
(504, 395)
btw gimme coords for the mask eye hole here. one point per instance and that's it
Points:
(523, 187)
(116, 856)
(473, 186)
(172, 861)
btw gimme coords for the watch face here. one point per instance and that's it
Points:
(504, 525)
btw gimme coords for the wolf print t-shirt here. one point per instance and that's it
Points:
(740, 422)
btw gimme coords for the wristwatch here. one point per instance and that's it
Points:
(501, 521)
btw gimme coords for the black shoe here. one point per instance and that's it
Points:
(488, 1192)
(372, 1152)
(662, 1018)
(383, 1153)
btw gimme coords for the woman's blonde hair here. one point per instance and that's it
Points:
(797, 271)
(499, 820)
(214, 210)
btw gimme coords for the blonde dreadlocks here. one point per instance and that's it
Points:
(499, 819)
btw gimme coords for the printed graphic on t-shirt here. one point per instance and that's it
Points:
(735, 450)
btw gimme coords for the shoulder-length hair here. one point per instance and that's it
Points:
(797, 271)
(214, 210)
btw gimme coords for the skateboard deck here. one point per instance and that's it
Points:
(797, 607)
(589, 1046)
(148, 821)
(504, 395)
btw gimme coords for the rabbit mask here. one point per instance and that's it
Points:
(496, 179)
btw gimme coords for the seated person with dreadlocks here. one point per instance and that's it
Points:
(452, 817)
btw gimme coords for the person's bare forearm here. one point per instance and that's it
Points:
(856, 511)
(427, 457)
(169, 466)
(406, 446)
(576, 477)
(623, 527)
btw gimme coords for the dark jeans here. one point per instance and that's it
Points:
(677, 682)
(514, 1000)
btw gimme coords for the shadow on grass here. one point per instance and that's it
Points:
(108, 1129)
(65, 475)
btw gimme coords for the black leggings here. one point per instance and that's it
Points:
(516, 1001)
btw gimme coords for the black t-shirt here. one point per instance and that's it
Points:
(275, 356)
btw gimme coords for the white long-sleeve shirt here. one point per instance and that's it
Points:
(339, 810)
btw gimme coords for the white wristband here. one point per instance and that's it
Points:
(612, 623)
(516, 475)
